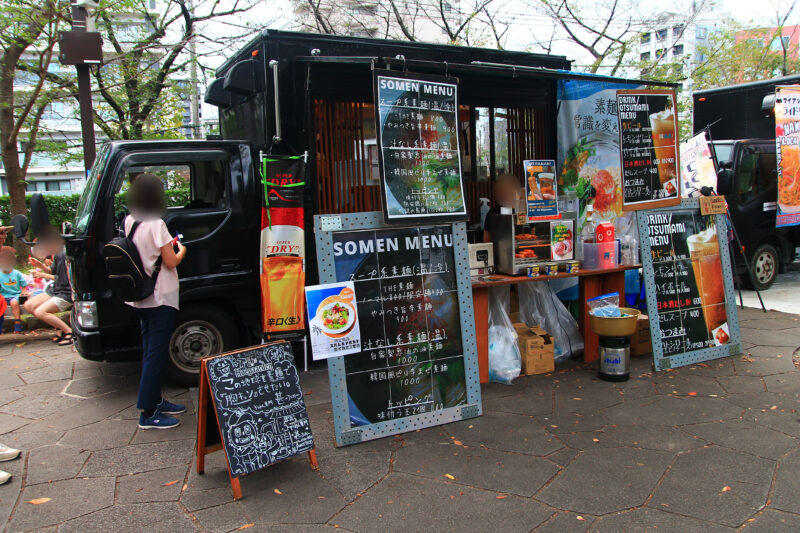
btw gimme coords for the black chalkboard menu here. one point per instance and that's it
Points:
(690, 291)
(412, 358)
(648, 132)
(418, 143)
(259, 406)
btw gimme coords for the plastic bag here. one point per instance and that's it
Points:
(605, 305)
(538, 304)
(505, 362)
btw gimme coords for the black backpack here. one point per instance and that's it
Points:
(124, 269)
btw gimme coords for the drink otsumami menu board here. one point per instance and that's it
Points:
(412, 358)
(419, 155)
(689, 284)
(648, 130)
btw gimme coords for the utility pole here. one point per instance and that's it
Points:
(194, 100)
(83, 47)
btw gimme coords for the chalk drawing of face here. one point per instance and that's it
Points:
(222, 369)
(243, 434)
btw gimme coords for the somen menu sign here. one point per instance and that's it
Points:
(648, 132)
(418, 143)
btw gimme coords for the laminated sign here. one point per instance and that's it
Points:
(787, 140)
(282, 244)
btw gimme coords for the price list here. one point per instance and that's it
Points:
(412, 359)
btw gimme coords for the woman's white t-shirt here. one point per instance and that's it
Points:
(150, 236)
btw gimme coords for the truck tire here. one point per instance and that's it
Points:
(200, 331)
(764, 265)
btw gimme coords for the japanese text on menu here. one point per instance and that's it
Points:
(648, 143)
(412, 358)
(689, 287)
(419, 145)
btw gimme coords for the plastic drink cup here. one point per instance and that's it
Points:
(662, 126)
(707, 267)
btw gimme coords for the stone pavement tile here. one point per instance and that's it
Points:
(636, 388)
(694, 485)
(215, 476)
(745, 436)
(84, 373)
(772, 324)
(565, 522)
(9, 423)
(36, 407)
(783, 421)
(101, 435)
(403, 503)
(154, 486)
(533, 401)
(742, 383)
(11, 490)
(653, 437)
(25, 440)
(305, 496)
(682, 383)
(45, 387)
(671, 411)
(788, 383)
(787, 484)
(563, 456)
(96, 386)
(489, 391)
(9, 395)
(769, 351)
(504, 472)
(48, 373)
(586, 484)
(187, 430)
(352, 474)
(149, 517)
(316, 387)
(293, 528)
(432, 435)
(772, 521)
(713, 368)
(765, 366)
(506, 432)
(584, 398)
(195, 500)
(650, 520)
(589, 440)
(763, 400)
(763, 337)
(9, 379)
(126, 368)
(68, 499)
(227, 517)
(54, 462)
(92, 410)
(139, 458)
(571, 422)
(321, 420)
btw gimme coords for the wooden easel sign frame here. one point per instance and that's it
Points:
(251, 407)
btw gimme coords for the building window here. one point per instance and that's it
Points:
(677, 30)
(660, 53)
(152, 4)
(701, 32)
(661, 35)
(677, 50)
(645, 38)
(645, 56)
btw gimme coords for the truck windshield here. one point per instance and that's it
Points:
(86, 204)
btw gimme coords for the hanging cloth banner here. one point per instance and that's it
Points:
(282, 244)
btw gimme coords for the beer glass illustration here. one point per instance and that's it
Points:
(662, 130)
(704, 252)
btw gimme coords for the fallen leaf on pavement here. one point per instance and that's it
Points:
(246, 526)
(726, 488)
(595, 440)
(773, 407)
(578, 399)
(276, 491)
(140, 489)
(185, 486)
(579, 517)
(501, 496)
(747, 359)
(692, 393)
(39, 501)
(20, 345)
(458, 443)
(448, 476)
(169, 483)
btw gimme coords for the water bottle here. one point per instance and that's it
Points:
(588, 231)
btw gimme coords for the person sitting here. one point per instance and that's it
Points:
(12, 284)
(505, 195)
(58, 297)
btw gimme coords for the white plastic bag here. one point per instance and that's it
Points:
(505, 362)
(538, 304)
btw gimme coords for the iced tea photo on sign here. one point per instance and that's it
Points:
(707, 267)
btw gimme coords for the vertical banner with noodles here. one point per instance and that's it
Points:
(282, 244)
(787, 148)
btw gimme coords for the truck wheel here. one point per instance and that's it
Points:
(764, 265)
(199, 332)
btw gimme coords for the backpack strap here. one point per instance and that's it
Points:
(157, 266)
(133, 229)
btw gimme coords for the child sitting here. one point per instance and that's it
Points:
(12, 284)
(58, 297)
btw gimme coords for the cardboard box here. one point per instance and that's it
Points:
(641, 343)
(536, 348)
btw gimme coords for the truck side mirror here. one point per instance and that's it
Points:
(725, 181)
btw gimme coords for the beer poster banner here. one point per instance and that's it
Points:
(282, 244)
(648, 136)
(541, 191)
(787, 141)
(689, 285)
(418, 144)
(697, 166)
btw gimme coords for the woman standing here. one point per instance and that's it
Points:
(147, 204)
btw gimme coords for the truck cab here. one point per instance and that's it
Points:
(748, 178)
(215, 204)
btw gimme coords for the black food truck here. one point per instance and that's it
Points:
(741, 121)
(293, 92)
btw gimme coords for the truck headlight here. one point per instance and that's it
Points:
(86, 315)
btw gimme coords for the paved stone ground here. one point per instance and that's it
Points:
(712, 447)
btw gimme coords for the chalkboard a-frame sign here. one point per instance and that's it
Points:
(251, 407)
(419, 154)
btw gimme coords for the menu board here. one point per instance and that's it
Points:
(648, 134)
(689, 295)
(418, 143)
(541, 189)
(259, 406)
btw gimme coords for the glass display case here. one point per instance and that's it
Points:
(519, 244)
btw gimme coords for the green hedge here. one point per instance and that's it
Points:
(61, 208)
